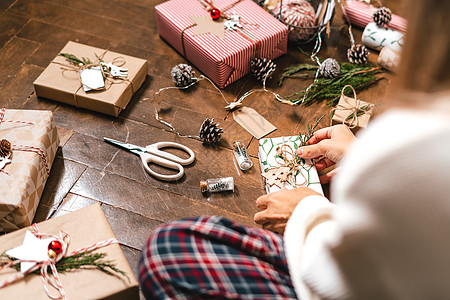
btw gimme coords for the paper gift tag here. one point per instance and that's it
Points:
(92, 78)
(253, 122)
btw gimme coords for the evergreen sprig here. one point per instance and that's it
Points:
(359, 77)
(304, 137)
(80, 261)
(361, 111)
(75, 60)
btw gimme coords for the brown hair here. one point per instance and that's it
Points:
(425, 62)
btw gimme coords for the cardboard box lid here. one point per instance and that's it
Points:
(85, 227)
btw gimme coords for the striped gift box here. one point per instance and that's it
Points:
(360, 14)
(222, 60)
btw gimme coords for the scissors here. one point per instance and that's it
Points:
(153, 154)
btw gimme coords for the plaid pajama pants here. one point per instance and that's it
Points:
(214, 258)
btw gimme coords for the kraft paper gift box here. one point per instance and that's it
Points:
(223, 60)
(61, 82)
(85, 227)
(345, 110)
(267, 154)
(34, 140)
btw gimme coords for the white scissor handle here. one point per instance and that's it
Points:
(150, 158)
(155, 149)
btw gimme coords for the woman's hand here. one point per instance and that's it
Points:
(277, 207)
(330, 144)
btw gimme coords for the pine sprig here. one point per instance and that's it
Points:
(304, 137)
(80, 261)
(75, 60)
(359, 77)
(361, 111)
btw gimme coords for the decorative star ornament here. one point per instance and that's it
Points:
(4, 161)
(206, 24)
(32, 248)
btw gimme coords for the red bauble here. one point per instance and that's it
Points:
(55, 246)
(215, 13)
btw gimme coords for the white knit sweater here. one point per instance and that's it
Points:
(387, 233)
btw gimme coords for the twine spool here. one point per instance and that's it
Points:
(298, 13)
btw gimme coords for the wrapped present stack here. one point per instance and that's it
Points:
(89, 231)
(63, 81)
(34, 140)
(305, 174)
(222, 41)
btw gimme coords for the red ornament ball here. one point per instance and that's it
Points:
(215, 13)
(55, 246)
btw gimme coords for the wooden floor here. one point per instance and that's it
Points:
(87, 170)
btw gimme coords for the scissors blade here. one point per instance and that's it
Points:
(130, 147)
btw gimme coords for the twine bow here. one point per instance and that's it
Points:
(355, 109)
(289, 167)
(47, 280)
(109, 78)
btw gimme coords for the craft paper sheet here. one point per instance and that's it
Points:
(222, 60)
(267, 159)
(23, 180)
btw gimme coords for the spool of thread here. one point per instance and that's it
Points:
(299, 13)
(360, 14)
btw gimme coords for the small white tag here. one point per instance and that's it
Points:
(92, 78)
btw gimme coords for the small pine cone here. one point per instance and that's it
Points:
(382, 16)
(358, 54)
(210, 132)
(329, 68)
(5, 148)
(262, 68)
(182, 75)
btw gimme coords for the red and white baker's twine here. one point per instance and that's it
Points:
(36, 150)
(55, 282)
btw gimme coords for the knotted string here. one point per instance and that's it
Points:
(355, 109)
(289, 166)
(47, 280)
(26, 148)
(109, 78)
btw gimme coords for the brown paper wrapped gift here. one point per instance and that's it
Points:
(22, 181)
(85, 227)
(62, 84)
(352, 112)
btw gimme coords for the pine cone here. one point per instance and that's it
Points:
(358, 54)
(262, 68)
(329, 68)
(5, 148)
(182, 75)
(382, 16)
(210, 132)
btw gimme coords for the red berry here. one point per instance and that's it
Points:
(215, 13)
(55, 246)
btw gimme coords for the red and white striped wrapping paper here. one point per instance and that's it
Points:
(222, 60)
(360, 14)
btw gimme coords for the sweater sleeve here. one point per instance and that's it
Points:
(313, 271)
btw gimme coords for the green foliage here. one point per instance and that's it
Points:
(361, 111)
(304, 137)
(80, 261)
(359, 77)
(75, 60)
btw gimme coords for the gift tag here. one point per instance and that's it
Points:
(253, 122)
(206, 24)
(92, 78)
